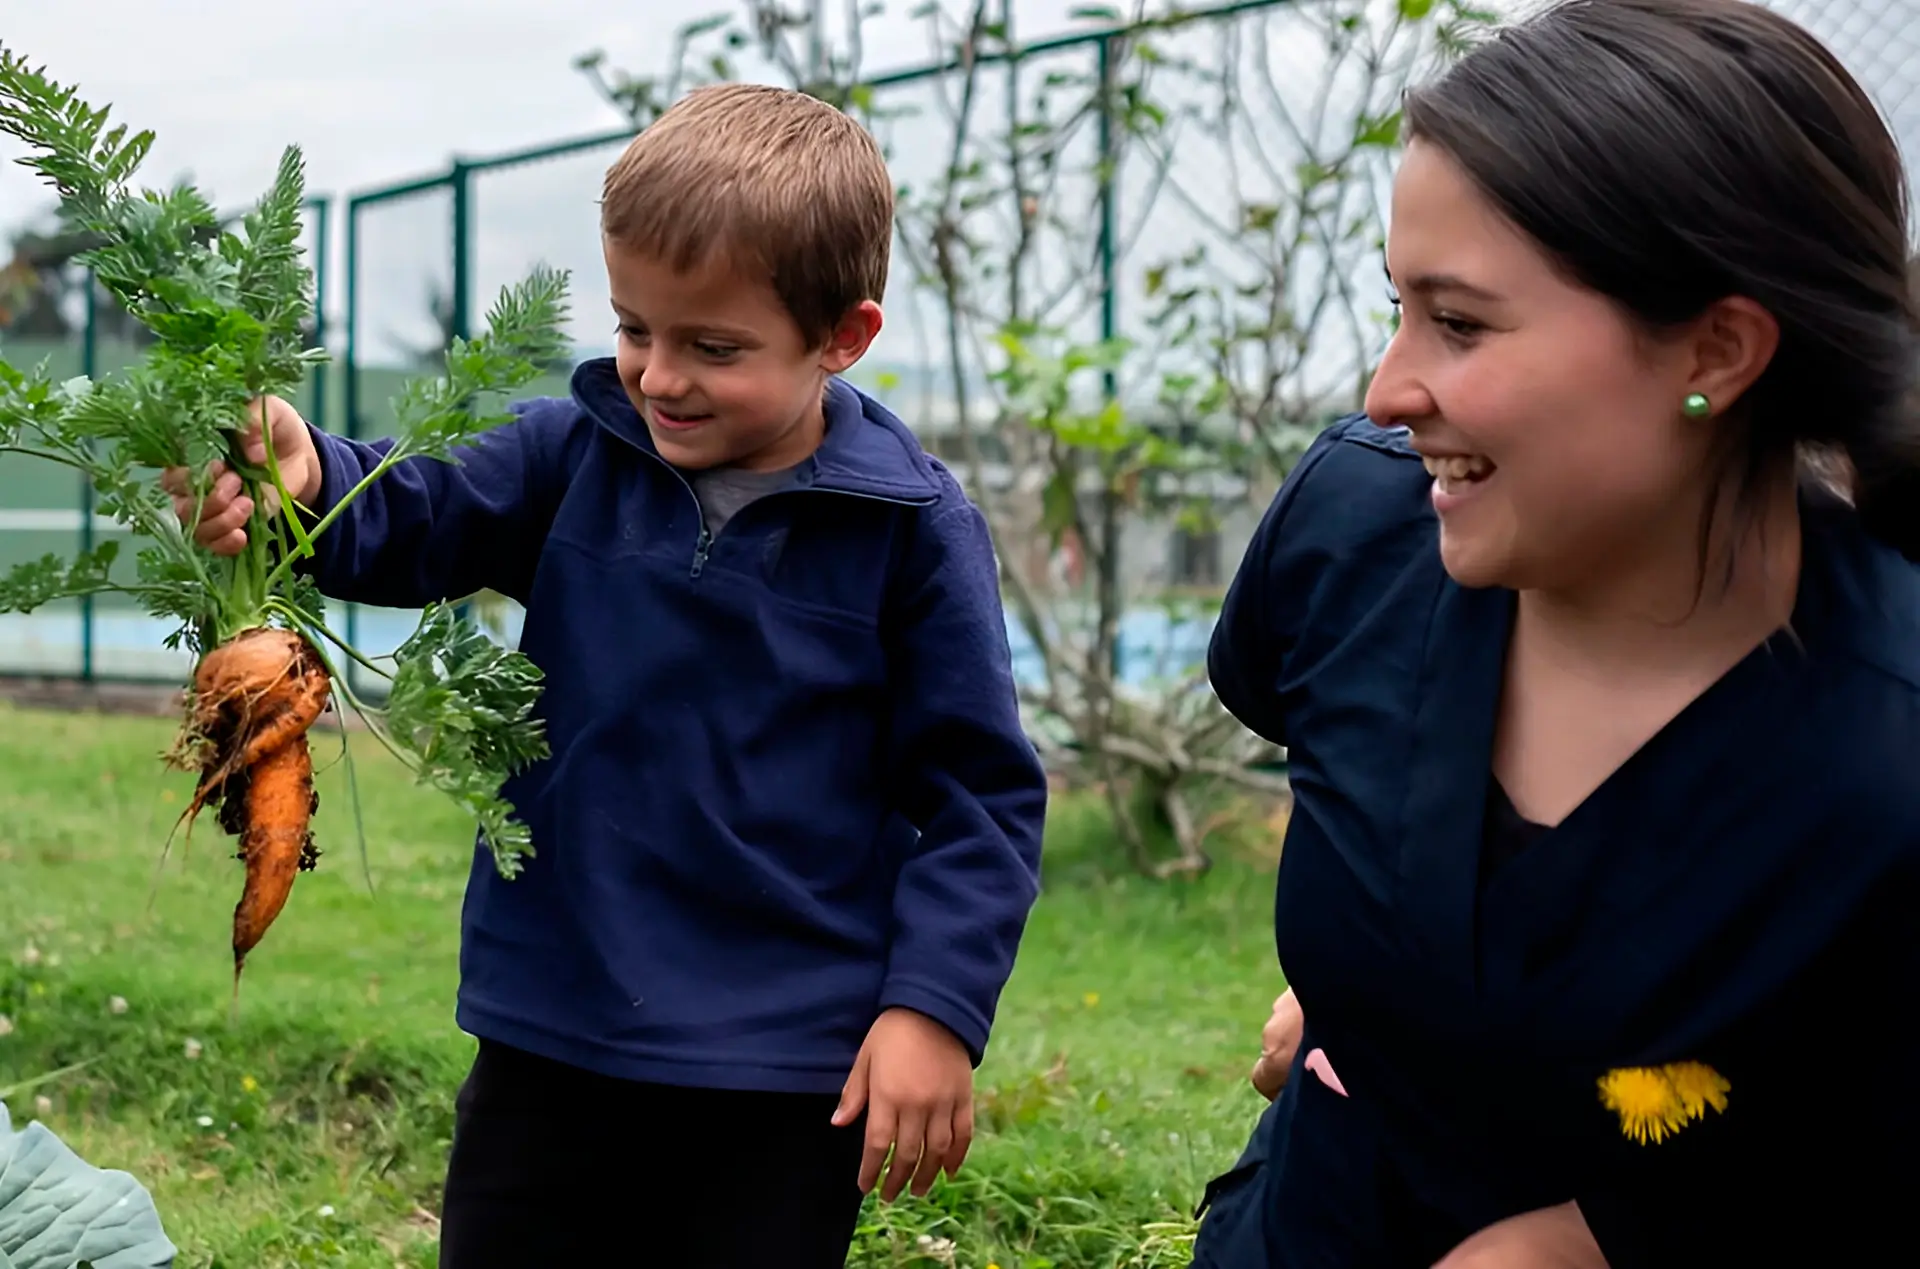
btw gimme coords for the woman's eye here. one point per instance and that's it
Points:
(716, 350)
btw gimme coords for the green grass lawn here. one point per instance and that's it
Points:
(314, 1131)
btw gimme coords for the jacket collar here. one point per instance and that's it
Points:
(867, 450)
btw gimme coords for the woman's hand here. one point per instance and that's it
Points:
(1550, 1238)
(1279, 1041)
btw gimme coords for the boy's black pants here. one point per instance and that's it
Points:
(557, 1166)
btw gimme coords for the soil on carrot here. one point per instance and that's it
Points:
(313, 1131)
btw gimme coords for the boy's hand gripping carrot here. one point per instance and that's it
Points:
(227, 509)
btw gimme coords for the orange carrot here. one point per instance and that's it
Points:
(254, 699)
(279, 802)
(252, 695)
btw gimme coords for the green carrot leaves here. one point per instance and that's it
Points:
(229, 306)
(464, 705)
(38, 582)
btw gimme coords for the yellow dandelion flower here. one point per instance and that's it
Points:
(1654, 1103)
(1645, 1100)
(1091, 999)
(1698, 1086)
(249, 1083)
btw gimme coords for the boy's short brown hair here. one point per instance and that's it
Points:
(774, 179)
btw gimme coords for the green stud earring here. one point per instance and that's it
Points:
(1697, 406)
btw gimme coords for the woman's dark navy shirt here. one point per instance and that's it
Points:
(1742, 893)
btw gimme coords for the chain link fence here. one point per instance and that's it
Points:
(1879, 42)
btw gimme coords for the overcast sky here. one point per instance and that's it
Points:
(372, 90)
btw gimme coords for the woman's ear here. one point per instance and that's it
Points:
(1731, 345)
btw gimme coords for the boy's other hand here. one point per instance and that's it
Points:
(226, 511)
(916, 1081)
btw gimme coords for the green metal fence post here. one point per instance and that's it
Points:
(322, 255)
(349, 354)
(1109, 326)
(350, 392)
(462, 249)
(462, 279)
(1014, 155)
(90, 367)
(1109, 176)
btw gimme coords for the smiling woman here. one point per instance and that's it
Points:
(1596, 648)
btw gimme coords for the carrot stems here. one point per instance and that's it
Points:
(311, 626)
(288, 506)
(286, 565)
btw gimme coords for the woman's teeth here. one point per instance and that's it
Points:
(1456, 470)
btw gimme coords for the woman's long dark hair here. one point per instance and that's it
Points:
(1671, 153)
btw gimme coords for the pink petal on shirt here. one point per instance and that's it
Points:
(1317, 1063)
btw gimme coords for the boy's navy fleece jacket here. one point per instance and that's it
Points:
(789, 786)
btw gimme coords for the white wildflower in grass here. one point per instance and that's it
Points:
(205, 1121)
(117, 1005)
(326, 1209)
(42, 1106)
(31, 956)
(940, 1250)
(191, 1049)
(6, 1025)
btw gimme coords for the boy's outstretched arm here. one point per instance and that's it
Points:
(973, 784)
(427, 529)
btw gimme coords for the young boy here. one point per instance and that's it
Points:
(789, 834)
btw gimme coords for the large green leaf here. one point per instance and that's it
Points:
(57, 1210)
